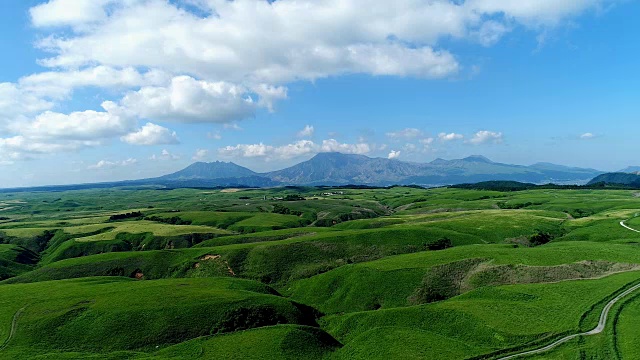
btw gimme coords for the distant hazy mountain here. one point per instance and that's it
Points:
(345, 169)
(618, 178)
(337, 168)
(212, 170)
(630, 169)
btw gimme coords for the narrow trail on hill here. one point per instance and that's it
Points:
(14, 327)
(597, 330)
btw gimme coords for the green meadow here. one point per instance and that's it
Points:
(317, 273)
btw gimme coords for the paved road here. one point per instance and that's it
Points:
(597, 330)
(626, 227)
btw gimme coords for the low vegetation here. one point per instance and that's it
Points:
(317, 273)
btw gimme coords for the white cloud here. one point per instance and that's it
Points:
(296, 149)
(164, 155)
(68, 12)
(105, 164)
(536, 12)
(215, 135)
(59, 84)
(408, 133)
(53, 132)
(79, 125)
(410, 148)
(587, 136)
(394, 154)
(306, 132)
(189, 100)
(162, 61)
(17, 103)
(273, 42)
(426, 141)
(450, 137)
(151, 134)
(289, 151)
(482, 137)
(200, 155)
(285, 40)
(333, 145)
(490, 33)
(20, 148)
(232, 126)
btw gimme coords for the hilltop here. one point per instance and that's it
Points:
(618, 178)
(211, 170)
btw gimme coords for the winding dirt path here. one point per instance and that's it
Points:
(14, 327)
(597, 330)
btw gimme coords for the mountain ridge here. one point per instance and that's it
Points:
(334, 168)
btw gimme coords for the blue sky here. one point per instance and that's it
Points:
(100, 90)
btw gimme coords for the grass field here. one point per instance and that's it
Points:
(399, 272)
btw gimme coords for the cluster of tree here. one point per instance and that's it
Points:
(540, 238)
(293, 197)
(579, 213)
(131, 215)
(508, 186)
(440, 244)
(172, 220)
(281, 209)
(504, 205)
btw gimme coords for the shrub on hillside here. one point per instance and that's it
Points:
(540, 238)
(131, 215)
(440, 244)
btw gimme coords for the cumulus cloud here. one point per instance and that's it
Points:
(16, 103)
(289, 151)
(189, 100)
(394, 154)
(164, 155)
(214, 135)
(59, 84)
(53, 132)
(20, 147)
(333, 145)
(200, 155)
(79, 125)
(151, 134)
(426, 141)
(306, 132)
(587, 136)
(105, 164)
(408, 133)
(482, 137)
(450, 137)
(303, 39)
(232, 126)
(229, 60)
(68, 12)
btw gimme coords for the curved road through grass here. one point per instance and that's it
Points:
(597, 330)
(14, 326)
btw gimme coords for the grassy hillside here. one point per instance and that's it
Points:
(396, 272)
(85, 312)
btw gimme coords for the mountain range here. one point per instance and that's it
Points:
(343, 169)
(334, 169)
